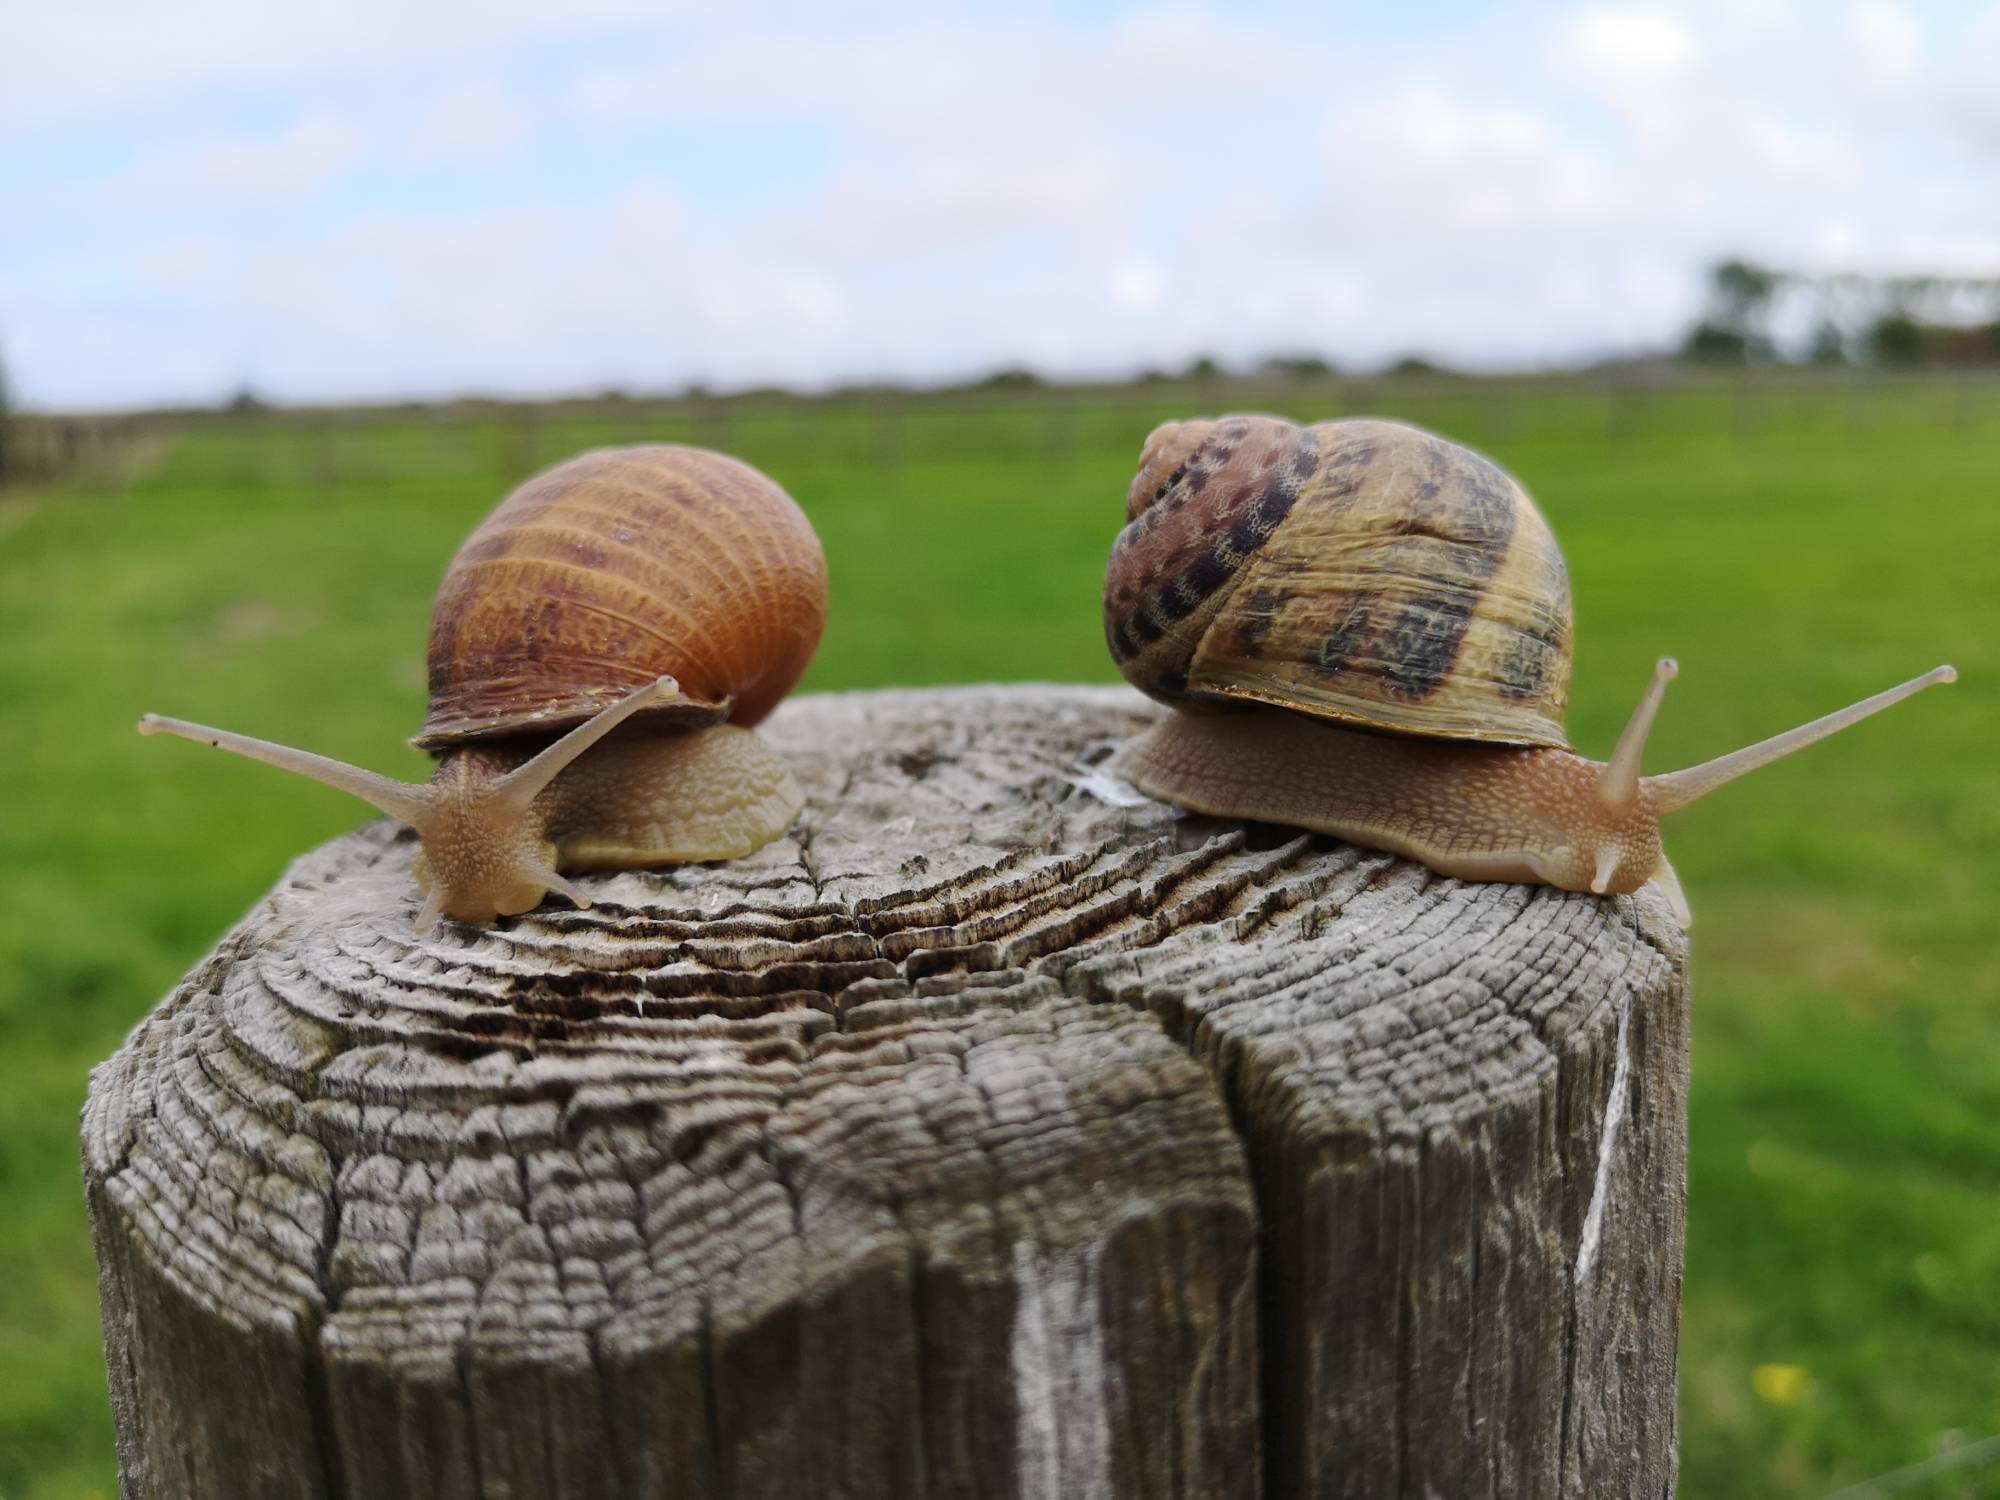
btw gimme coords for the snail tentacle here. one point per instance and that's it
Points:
(1676, 789)
(408, 801)
(525, 782)
(432, 909)
(549, 880)
(1619, 784)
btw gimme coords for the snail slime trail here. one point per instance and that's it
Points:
(1365, 630)
(600, 648)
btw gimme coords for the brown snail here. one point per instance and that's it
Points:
(1393, 615)
(673, 587)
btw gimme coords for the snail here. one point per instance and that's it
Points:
(1389, 614)
(669, 586)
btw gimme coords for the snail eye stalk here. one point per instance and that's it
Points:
(1679, 788)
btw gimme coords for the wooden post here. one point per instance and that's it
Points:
(997, 1134)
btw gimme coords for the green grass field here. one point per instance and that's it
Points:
(1796, 548)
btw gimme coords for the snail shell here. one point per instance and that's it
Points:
(613, 569)
(1364, 573)
(1361, 571)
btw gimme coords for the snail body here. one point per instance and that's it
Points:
(600, 647)
(1366, 631)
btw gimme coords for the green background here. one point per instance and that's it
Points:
(1795, 545)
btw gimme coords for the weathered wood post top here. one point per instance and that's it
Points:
(997, 1133)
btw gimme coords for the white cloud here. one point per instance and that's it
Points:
(1137, 284)
(292, 163)
(287, 165)
(1632, 55)
(1425, 161)
(530, 301)
(1888, 42)
(91, 57)
(958, 204)
(179, 263)
(1969, 91)
(470, 120)
(969, 80)
(1779, 152)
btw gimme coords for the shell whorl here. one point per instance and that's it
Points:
(612, 569)
(1361, 570)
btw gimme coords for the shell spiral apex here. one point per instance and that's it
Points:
(615, 568)
(1361, 571)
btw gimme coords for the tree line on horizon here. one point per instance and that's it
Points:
(6, 425)
(1758, 314)
(1752, 314)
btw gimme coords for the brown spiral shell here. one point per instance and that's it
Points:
(1361, 570)
(617, 567)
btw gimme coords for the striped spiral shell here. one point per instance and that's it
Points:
(615, 568)
(1362, 571)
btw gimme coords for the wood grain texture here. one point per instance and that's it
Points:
(994, 1134)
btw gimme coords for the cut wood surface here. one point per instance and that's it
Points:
(998, 1133)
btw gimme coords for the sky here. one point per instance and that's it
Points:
(362, 199)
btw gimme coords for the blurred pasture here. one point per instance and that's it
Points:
(1797, 543)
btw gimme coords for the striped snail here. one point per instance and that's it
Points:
(670, 586)
(1391, 615)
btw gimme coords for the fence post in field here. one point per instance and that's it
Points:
(887, 423)
(321, 463)
(711, 422)
(518, 456)
(1964, 408)
(1496, 411)
(1746, 407)
(1864, 402)
(6, 426)
(1627, 402)
(996, 1132)
(1058, 427)
(448, 443)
